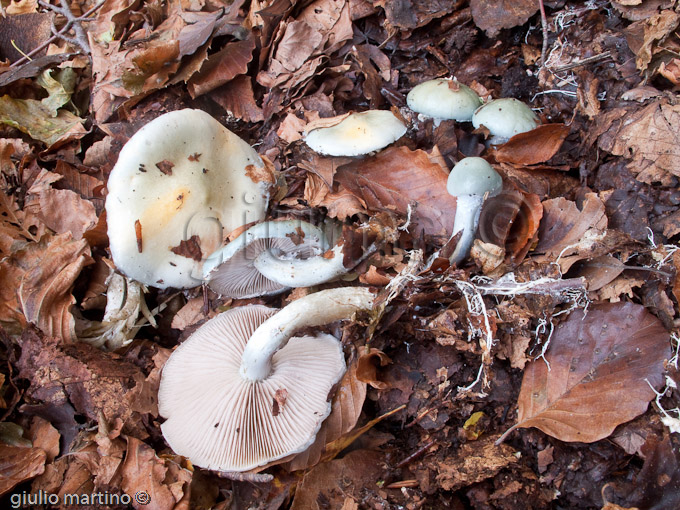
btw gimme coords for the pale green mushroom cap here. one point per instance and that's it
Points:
(505, 117)
(473, 176)
(444, 99)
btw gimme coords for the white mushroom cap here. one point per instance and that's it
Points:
(237, 269)
(473, 176)
(357, 134)
(505, 117)
(224, 422)
(179, 183)
(444, 99)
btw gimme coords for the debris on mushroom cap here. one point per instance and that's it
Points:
(444, 99)
(219, 420)
(505, 117)
(357, 134)
(473, 176)
(179, 183)
(233, 270)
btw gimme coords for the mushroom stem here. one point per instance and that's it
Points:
(468, 209)
(313, 310)
(300, 272)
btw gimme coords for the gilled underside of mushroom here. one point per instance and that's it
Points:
(241, 393)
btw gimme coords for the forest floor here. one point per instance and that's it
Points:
(541, 373)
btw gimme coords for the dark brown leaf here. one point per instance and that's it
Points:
(601, 367)
(222, 67)
(191, 248)
(494, 15)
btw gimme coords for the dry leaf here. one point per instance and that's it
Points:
(533, 147)
(222, 67)
(397, 177)
(18, 465)
(494, 15)
(601, 367)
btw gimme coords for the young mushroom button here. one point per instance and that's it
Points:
(237, 394)
(357, 134)
(180, 182)
(471, 180)
(444, 99)
(505, 118)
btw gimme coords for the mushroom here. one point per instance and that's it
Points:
(357, 134)
(444, 99)
(179, 182)
(505, 118)
(271, 257)
(237, 394)
(471, 180)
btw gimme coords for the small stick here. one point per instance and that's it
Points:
(415, 454)
(585, 61)
(544, 28)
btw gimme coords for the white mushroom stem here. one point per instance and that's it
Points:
(301, 272)
(468, 209)
(315, 309)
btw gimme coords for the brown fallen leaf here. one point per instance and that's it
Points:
(494, 15)
(648, 138)
(473, 463)
(222, 67)
(35, 284)
(533, 147)
(338, 479)
(398, 177)
(162, 483)
(604, 366)
(19, 464)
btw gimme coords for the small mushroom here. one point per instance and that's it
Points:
(271, 257)
(444, 99)
(505, 118)
(179, 182)
(471, 180)
(237, 394)
(357, 134)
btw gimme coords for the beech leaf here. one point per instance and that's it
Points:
(603, 366)
(397, 177)
(533, 147)
(18, 464)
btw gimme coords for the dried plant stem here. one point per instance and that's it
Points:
(544, 28)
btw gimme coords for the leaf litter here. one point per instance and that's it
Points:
(562, 326)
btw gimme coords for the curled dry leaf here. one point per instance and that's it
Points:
(35, 284)
(19, 464)
(398, 177)
(166, 484)
(604, 366)
(533, 147)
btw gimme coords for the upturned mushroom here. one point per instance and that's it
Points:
(241, 393)
(471, 181)
(271, 257)
(276, 255)
(357, 134)
(179, 183)
(505, 118)
(444, 99)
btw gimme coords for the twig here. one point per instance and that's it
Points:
(71, 22)
(544, 29)
(415, 454)
(584, 62)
